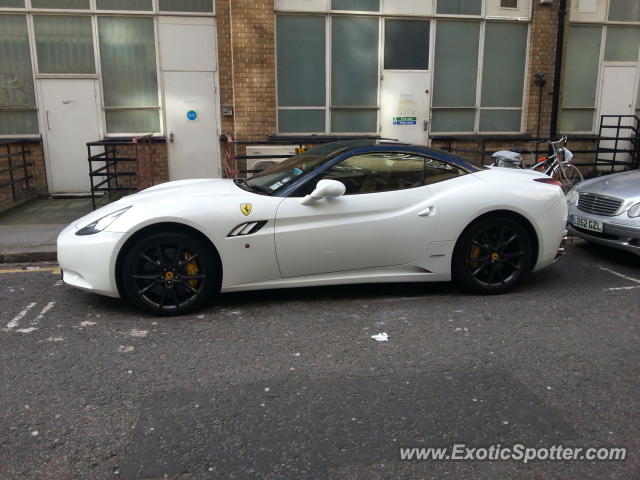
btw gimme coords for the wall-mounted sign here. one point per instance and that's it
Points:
(192, 116)
(404, 120)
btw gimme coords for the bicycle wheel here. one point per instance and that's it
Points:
(568, 175)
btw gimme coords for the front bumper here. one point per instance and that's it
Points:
(625, 237)
(88, 262)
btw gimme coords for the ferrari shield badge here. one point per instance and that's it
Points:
(245, 208)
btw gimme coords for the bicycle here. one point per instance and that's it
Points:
(558, 165)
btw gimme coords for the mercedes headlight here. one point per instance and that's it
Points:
(572, 196)
(635, 211)
(102, 223)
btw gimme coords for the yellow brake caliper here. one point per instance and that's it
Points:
(190, 269)
(475, 253)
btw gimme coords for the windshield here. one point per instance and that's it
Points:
(277, 177)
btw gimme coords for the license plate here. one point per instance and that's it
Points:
(593, 225)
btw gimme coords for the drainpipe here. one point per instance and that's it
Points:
(555, 103)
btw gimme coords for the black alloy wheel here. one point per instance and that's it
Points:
(492, 255)
(170, 274)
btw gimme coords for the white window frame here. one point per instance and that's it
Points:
(94, 13)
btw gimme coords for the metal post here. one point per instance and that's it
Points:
(11, 180)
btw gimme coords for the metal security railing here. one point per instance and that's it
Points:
(14, 171)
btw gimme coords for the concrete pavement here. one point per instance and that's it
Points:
(28, 233)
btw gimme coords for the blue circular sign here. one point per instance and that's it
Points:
(192, 115)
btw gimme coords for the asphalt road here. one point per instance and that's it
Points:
(290, 384)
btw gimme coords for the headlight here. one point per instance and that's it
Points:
(635, 211)
(102, 223)
(572, 196)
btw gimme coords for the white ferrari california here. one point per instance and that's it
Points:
(358, 211)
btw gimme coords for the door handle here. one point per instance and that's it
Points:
(171, 136)
(48, 124)
(425, 125)
(428, 212)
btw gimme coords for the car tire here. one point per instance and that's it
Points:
(492, 255)
(170, 274)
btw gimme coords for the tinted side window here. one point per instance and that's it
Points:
(438, 171)
(378, 172)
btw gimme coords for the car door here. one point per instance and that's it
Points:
(386, 217)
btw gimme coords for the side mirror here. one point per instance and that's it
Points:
(325, 189)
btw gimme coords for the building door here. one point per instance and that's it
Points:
(189, 63)
(406, 79)
(617, 97)
(70, 118)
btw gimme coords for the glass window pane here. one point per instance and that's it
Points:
(301, 61)
(301, 121)
(66, 4)
(354, 121)
(64, 44)
(139, 5)
(16, 76)
(186, 5)
(128, 57)
(460, 7)
(576, 121)
(508, 3)
(11, 3)
(624, 10)
(456, 64)
(622, 44)
(453, 120)
(354, 55)
(359, 5)
(500, 120)
(581, 69)
(505, 53)
(133, 121)
(18, 123)
(406, 45)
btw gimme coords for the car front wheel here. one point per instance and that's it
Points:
(169, 274)
(492, 255)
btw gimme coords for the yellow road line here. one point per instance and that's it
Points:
(53, 270)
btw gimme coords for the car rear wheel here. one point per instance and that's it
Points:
(492, 255)
(170, 274)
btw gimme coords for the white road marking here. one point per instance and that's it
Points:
(26, 330)
(44, 311)
(626, 277)
(16, 320)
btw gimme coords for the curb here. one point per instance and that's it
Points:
(28, 257)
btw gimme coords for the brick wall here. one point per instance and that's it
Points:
(37, 185)
(246, 34)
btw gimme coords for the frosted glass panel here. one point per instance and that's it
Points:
(186, 5)
(624, 10)
(354, 55)
(361, 5)
(456, 64)
(127, 51)
(622, 44)
(399, 34)
(354, 121)
(301, 61)
(500, 120)
(576, 120)
(64, 44)
(133, 121)
(301, 121)
(581, 70)
(460, 7)
(505, 52)
(18, 123)
(11, 3)
(16, 76)
(453, 120)
(139, 5)
(66, 4)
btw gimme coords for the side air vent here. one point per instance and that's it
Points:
(247, 228)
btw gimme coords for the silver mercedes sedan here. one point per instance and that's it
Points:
(606, 210)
